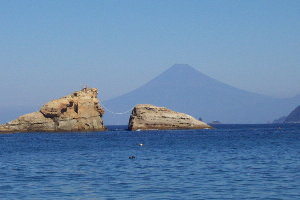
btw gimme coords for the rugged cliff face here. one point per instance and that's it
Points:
(79, 111)
(149, 117)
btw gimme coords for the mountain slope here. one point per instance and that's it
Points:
(184, 89)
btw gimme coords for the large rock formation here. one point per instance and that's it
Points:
(79, 111)
(294, 116)
(149, 117)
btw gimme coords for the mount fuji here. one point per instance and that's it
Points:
(184, 89)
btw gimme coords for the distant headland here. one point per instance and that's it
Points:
(294, 116)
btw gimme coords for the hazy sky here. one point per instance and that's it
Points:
(50, 48)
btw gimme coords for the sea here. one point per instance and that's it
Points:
(227, 162)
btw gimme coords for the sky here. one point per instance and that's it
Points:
(50, 48)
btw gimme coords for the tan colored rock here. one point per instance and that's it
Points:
(79, 111)
(149, 117)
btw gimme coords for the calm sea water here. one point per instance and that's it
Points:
(230, 162)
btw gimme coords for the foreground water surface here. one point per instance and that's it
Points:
(230, 162)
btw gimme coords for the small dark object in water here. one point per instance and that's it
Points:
(131, 157)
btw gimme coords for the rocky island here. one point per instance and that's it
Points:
(79, 111)
(150, 117)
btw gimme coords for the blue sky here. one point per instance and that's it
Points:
(50, 48)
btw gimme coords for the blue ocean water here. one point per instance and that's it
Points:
(229, 162)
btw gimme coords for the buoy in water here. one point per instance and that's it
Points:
(141, 144)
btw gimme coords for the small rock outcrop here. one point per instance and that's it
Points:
(294, 116)
(149, 117)
(79, 111)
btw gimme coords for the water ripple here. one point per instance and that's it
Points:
(231, 162)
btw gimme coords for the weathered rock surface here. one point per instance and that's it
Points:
(79, 111)
(149, 117)
(294, 116)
